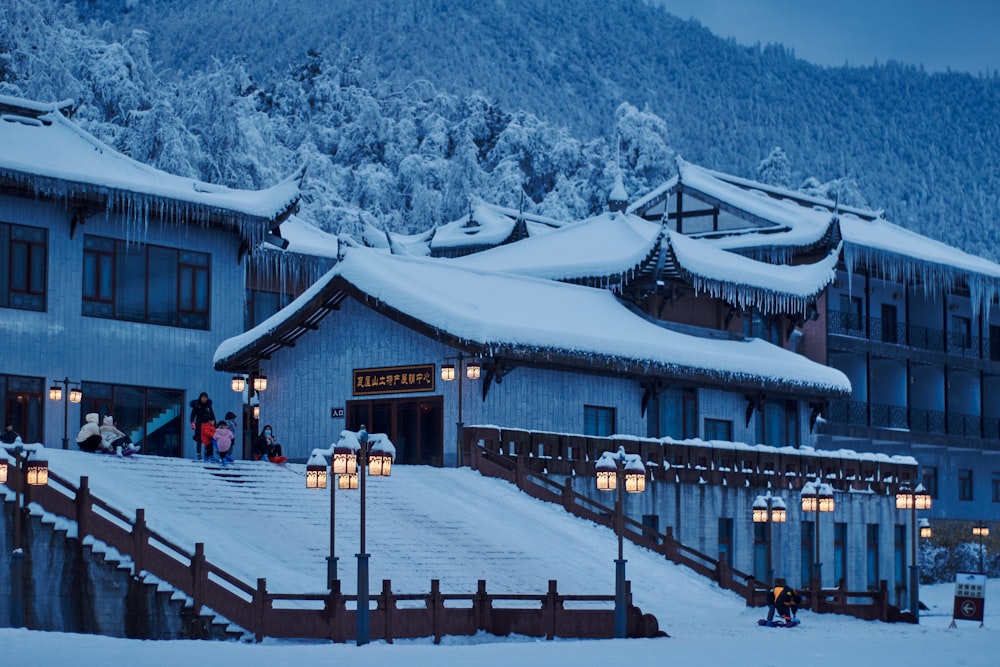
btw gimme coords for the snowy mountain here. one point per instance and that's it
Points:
(403, 110)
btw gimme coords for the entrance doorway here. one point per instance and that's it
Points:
(415, 426)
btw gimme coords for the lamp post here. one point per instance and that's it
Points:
(350, 456)
(254, 382)
(817, 497)
(770, 510)
(622, 472)
(473, 370)
(925, 529)
(981, 530)
(32, 472)
(73, 394)
(913, 499)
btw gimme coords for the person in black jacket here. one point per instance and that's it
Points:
(9, 435)
(201, 412)
(784, 600)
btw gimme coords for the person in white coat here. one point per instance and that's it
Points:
(115, 441)
(89, 439)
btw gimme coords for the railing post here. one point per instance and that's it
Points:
(435, 603)
(258, 605)
(139, 538)
(479, 605)
(334, 617)
(388, 607)
(83, 509)
(568, 495)
(883, 600)
(198, 576)
(551, 610)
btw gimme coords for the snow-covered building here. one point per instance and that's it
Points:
(911, 321)
(118, 280)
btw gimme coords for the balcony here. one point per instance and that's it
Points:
(913, 335)
(914, 420)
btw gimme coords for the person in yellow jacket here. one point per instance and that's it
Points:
(784, 600)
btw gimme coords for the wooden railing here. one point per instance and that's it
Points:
(520, 457)
(325, 615)
(730, 464)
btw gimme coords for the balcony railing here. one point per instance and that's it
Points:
(917, 420)
(913, 335)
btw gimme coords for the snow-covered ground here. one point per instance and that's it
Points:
(458, 527)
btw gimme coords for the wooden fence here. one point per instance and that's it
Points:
(330, 615)
(525, 459)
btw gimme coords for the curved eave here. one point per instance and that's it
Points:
(329, 298)
(743, 296)
(139, 207)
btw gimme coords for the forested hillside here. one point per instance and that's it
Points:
(402, 110)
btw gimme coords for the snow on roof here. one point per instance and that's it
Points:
(54, 156)
(522, 316)
(307, 239)
(609, 244)
(747, 282)
(805, 226)
(489, 225)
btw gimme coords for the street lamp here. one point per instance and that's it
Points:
(75, 396)
(770, 510)
(343, 467)
(622, 472)
(33, 472)
(925, 529)
(817, 497)
(252, 383)
(980, 530)
(913, 499)
(473, 369)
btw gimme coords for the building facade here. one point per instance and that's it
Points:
(118, 281)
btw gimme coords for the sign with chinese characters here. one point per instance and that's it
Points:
(393, 380)
(970, 597)
(337, 413)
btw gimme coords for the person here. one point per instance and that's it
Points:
(89, 438)
(266, 448)
(201, 412)
(115, 441)
(207, 437)
(785, 601)
(9, 435)
(223, 442)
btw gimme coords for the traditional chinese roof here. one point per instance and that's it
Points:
(44, 153)
(529, 321)
(487, 226)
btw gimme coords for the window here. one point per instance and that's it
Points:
(839, 553)
(778, 425)
(872, 557)
(929, 475)
(850, 311)
(152, 418)
(676, 414)
(960, 335)
(889, 324)
(994, 343)
(598, 420)
(726, 541)
(965, 484)
(21, 405)
(261, 304)
(996, 487)
(899, 561)
(23, 266)
(806, 549)
(719, 429)
(145, 283)
(758, 325)
(760, 551)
